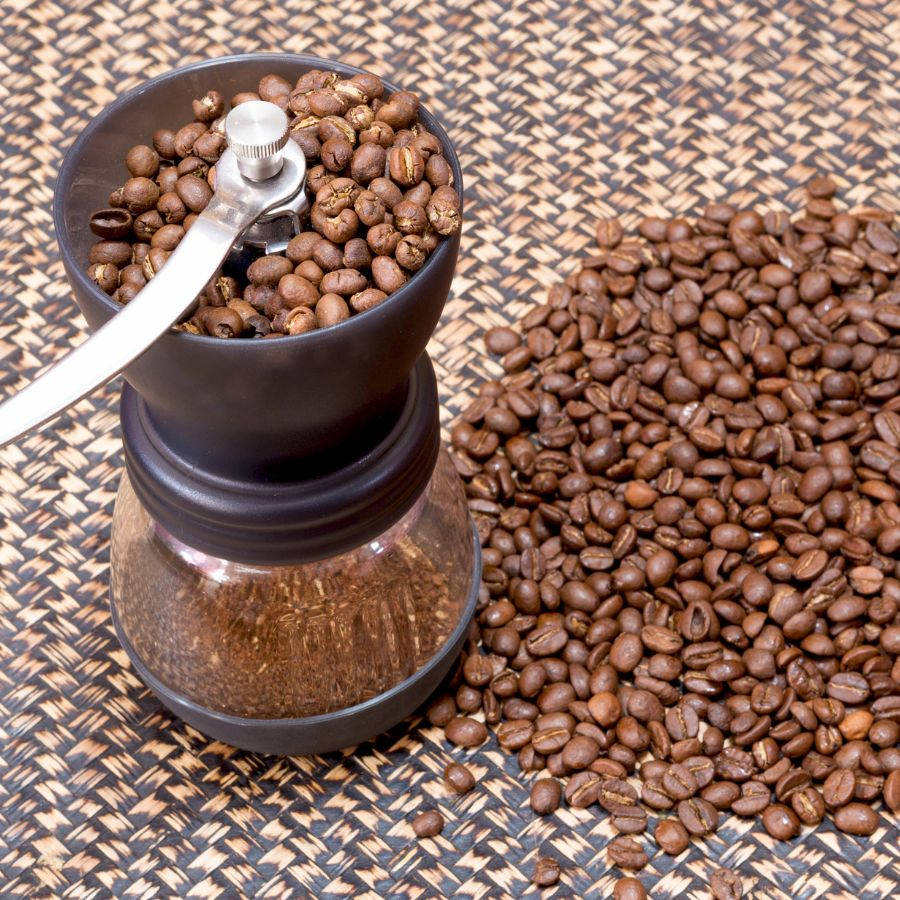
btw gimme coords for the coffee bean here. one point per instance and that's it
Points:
(632, 820)
(856, 818)
(755, 797)
(428, 824)
(698, 816)
(441, 711)
(891, 790)
(679, 782)
(109, 252)
(780, 822)
(672, 837)
(105, 275)
(193, 192)
(580, 752)
(809, 805)
(848, 687)
(616, 795)
(501, 340)
(545, 796)
(839, 788)
(609, 233)
(725, 884)
(682, 722)
(605, 708)
(627, 853)
(721, 794)
(515, 734)
(367, 299)
(111, 224)
(443, 210)
(546, 641)
(546, 872)
(582, 789)
(465, 732)
(629, 889)
(458, 778)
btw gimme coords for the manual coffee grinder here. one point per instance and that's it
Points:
(293, 566)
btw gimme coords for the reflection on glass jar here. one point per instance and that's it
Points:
(294, 640)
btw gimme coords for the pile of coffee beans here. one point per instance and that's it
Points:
(687, 489)
(381, 194)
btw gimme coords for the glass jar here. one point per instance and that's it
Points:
(286, 641)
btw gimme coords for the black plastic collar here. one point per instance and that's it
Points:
(294, 521)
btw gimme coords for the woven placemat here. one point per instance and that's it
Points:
(561, 113)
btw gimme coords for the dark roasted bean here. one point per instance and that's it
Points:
(428, 824)
(458, 778)
(627, 853)
(672, 837)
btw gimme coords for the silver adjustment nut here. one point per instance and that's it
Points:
(257, 132)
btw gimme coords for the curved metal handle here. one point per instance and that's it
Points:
(168, 296)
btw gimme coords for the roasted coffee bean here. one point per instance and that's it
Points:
(441, 711)
(809, 805)
(839, 788)
(672, 837)
(780, 822)
(546, 872)
(682, 722)
(193, 192)
(545, 796)
(856, 818)
(627, 853)
(891, 790)
(725, 884)
(465, 732)
(458, 778)
(111, 224)
(632, 820)
(105, 275)
(605, 708)
(629, 889)
(580, 752)
(331, 309)
(721, 794)
(582, 789)
(679, 782)
(755, 797)
(443, 210)
(698, 816)
(501, 340)
(220, 321)
(108, 252)
(428, 824)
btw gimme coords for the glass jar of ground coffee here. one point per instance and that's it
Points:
(294, 640)
(294, 601)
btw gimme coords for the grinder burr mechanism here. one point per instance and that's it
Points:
(257, 205)
(293, 566)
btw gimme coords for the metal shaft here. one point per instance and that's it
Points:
(169, 295)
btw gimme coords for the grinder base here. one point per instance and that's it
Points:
(323, 733)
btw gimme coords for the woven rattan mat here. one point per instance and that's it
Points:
(561, 112)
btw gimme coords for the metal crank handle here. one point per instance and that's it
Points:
(237, 203)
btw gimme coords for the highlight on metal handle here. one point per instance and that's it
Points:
(167, 297)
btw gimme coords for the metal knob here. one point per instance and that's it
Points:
(257, 132)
